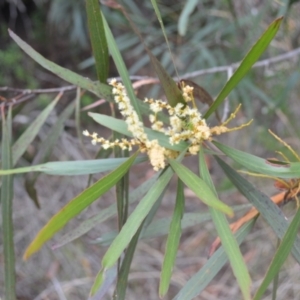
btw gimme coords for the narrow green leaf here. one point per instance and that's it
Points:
(153, 211)
(21, 145)
(106, 281)
(197, 283)
(123, 273)
(199, 187)
(172, 91)
(253, 55)
(7, 209)
(228, 240)
(46, 149)
(78, 123)
(133, 223)
(76, 205)
(259, 165)
(172, 242)
(185, 15)
(159, 18)
(275, 285)
(135, 219)
(53, 135)
(97, 88)
(121, 127)
(280, 256)
(105, 214)
(269, 210)
(72, 168)
(98, 39)
(121, 67)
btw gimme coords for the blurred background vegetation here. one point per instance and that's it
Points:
(202, 35)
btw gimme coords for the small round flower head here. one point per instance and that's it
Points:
(86, 133)
(152, 118)
(176, 123)
(158, 126)
(155, 107)
(194, 149)
(156, 155)
(187, 93)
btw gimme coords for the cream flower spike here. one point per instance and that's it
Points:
(186, 124)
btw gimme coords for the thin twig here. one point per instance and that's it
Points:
(38, 91)
(18, 100)
(30, 93)
(262, 63)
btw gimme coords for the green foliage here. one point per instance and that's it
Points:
(12, 68)
(69, 19)
(139, 221)
(7, 210)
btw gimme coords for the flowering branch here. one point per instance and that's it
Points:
(186, 124)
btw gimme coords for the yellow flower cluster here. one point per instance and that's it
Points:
(155, 152)
(186, 124)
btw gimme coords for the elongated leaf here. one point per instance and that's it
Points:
(21, 145)
(121, 66)
(228, 240)
(253, 55)
(71, 168)
(159, 18)
(205, 275)
(172, 242)
(280, 256)
(123, 273)
(53, 135)
(185, 15)
(259, 165)
(199, 187)
(270, 211)
(7, 209)
(98, 39)
(78, 204)
(172, 91)
(108, 279)
(135, 219)
(121, 127)
(105, 214)
(99, 89)
(152, 212)
(46, 149)
(131, 226)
